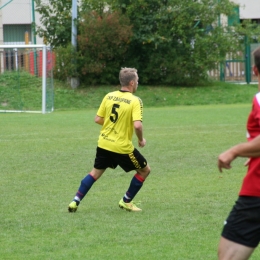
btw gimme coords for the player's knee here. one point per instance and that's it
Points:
(147, 171)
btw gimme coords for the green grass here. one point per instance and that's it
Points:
(22, 91)
(185, 199)
(160, 96)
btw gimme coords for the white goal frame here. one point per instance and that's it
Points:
(44, 73)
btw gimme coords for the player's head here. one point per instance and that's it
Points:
(256, 55)
(128, 78)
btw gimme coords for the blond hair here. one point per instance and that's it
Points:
(126, 75)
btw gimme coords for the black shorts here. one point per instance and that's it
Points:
(243, 223)
(128, 162)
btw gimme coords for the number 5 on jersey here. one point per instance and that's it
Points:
(114, 116)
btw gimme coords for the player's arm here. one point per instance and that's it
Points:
(248, 149)
(138, 126)
(99, 120)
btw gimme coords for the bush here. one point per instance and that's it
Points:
(102, 42)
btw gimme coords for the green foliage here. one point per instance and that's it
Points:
(99, 6)
(101, 43)
(173, 42)
(178, 42)
(56, 21)
(65, 63)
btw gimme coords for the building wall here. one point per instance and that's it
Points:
(17, 17)
(249, 9)
(1, 29)
(17, 12)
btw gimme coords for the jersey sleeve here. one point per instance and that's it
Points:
(138, 110)
(101, 110)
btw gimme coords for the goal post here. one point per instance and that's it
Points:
(26, 78)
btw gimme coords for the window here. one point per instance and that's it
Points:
(15, 33)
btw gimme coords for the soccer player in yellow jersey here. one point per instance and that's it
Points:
(120, 114)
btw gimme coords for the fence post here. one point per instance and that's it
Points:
(247, 60)
(222, 73)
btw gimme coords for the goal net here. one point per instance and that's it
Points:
(26, 78)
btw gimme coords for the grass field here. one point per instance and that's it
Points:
(185, 199)
(24, 92)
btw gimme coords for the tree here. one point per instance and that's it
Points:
(56, 18)
(172, 42)
(102, 42)
(179, 41)
(55, 21)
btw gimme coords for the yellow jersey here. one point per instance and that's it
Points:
(119, 109)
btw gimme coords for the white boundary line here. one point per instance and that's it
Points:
(19, 111)
(22, 46)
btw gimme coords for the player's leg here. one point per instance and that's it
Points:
(241, 231)
(84, 187)
(144, 172)
(102, 161)
(86, 184)
(136, 162)
(136, 183)
(229, 250)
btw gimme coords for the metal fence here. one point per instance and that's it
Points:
(29, 60)
(237, 70)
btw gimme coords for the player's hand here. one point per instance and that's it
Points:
(247, 162)
(142, 143)
(225, 159)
